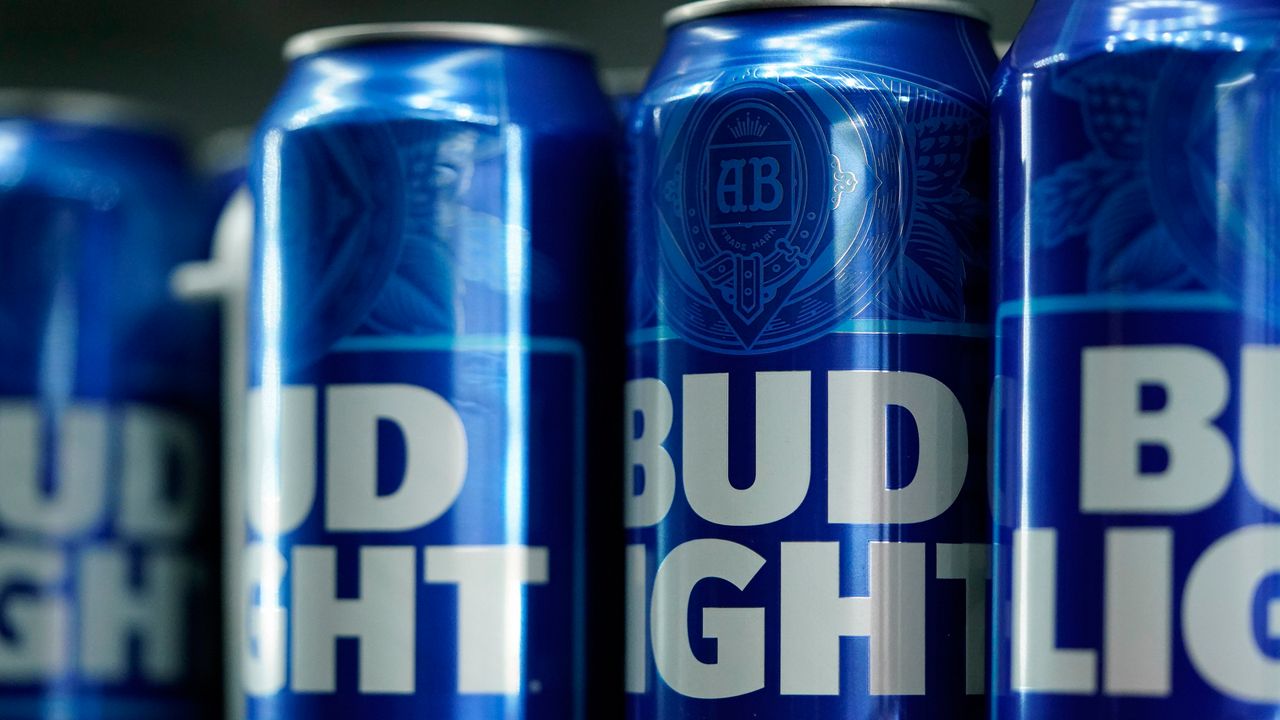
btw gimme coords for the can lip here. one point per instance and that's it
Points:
(709, 8)
(329, 38)
(87, 107)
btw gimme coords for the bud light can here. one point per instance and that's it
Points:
(807, 521)
(434, 202)
(108, 419)
(1137, 396)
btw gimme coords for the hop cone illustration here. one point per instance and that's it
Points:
(942, 152)
(1115, 101)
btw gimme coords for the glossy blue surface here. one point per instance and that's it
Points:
(808, 207)
(108, 429)
(1138, 209)
(437, 219)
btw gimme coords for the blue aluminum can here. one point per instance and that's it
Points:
(431, 277)
(1138, 360)
(108, 419)
(806, 513)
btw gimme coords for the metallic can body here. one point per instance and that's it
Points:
(807, 525)
(431, 219)
(108, 427)
(1138, 241)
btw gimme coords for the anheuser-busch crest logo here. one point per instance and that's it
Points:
(751, 163)
(746, 205)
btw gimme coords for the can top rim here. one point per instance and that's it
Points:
(329, 38)
(86, 107)
(700, 9)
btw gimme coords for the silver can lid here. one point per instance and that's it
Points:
(86, 107)
(710, 8)
(322, 39)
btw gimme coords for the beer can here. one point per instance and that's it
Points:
(1137, 546)
(434, 203)
(806, 514)
(108, 418)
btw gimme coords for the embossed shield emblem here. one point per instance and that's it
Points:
(753, 206)
(754, 183)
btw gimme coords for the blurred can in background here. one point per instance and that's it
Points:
(108, 419)
(623, 86)
(222, 159)
(1138, 359)
(222, 280)
(806, 513)
(430, 310)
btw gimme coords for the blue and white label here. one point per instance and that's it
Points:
(407, 524)
(807, 534)
(100, 572)
(1138, 545)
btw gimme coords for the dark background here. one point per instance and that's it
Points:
(217, 63)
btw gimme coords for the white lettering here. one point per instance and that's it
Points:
(815, 616)
(1114, 428)
(1139, 611)
(651, 401)
(637, 659)
(76, 502)
(435, 457)
(154, 502)
(262, 640)
(782, 449)
(1217, 614)
(282, 458)
(1259, 419)
(1038, 664)
(972, 564)
(41, 623)
(738, 632)
(151, 612)
(382, 618)
(857, 447)
(491, 584)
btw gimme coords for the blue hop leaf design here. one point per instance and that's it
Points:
(1069, 200)
(942, 145)
(1114, 94)
(405, 307)
(341, 237)
(927, 280)
(1129, 250)
(965, 216)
